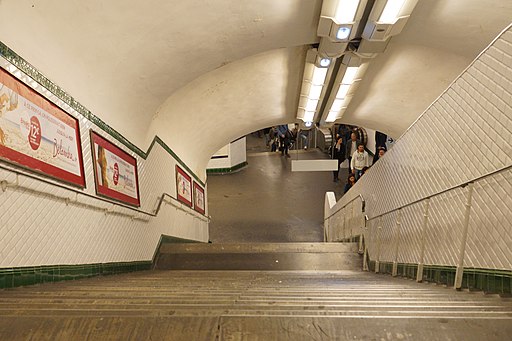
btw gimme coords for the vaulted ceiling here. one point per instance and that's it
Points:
(199, 73)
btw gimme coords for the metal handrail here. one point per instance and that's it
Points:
(464, 184)
(4, 184)
(363, 202)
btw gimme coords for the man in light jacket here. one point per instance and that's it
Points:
(360, 159)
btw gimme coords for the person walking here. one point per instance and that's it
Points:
(351, 149)
(359, 161)
(284, 139)
(338, 153)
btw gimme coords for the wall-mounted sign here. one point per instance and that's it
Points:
(115, 172)
(37, 135)
(199, 203)
(183, 186)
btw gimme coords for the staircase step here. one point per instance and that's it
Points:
(259, 256)
(259, 248)
(252, 305)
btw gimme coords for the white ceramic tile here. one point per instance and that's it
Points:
(468, 133)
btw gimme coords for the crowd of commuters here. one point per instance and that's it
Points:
(282, 139)
(347, 146)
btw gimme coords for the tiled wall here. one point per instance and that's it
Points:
(37, 227)
(464, 134)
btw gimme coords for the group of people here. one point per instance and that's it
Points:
(353, 150)
(281, 138)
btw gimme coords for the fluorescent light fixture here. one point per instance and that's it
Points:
(333, 115)
(350, 75)
(343, 90)
(311, 104)
(315, 91)
(343, 33)
(346, 11)
(319, 75)
(308, 116)
(325, 62)
(12, 68)
(337, 105)
(391, 11)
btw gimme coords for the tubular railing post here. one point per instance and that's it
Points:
(419, 273)
(363, 226)
(397, 243)
(377, 260)
(365, 254)
(464, 238)
(351, 221)
(362, 223)
(344, 223)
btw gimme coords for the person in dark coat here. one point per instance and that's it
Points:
(338, 153)
(351, 147)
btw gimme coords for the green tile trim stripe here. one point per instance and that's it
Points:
(22, 276)
(33, 73)
(487, 280)
(226, 170)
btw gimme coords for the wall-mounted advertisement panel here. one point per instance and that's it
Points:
(115, 172)
(199, 203)
(37, 135)
(183, 186)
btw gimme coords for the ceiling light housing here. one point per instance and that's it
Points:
(338, 24)
(387, 19)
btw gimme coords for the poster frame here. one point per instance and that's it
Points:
(32, 165)
(198, 187)
(181, 198)
(119, 197)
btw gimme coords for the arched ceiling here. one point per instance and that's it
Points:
(200, 73)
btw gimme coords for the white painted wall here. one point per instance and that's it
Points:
(232, 155)
(38, 227)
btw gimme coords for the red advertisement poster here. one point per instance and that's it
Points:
(199, 203)
(115, 172)
(37, 135)
(183, 186)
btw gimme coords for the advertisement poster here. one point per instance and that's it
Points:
(183, 186)
(115, 172)
(37, 135)
(199, 205)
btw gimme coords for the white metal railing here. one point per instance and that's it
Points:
(373, 240)
(352, 221)
(113, 209)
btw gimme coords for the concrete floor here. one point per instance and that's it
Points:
(266, 202)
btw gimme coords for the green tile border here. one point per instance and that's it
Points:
(491, 281)
(226, 170)
(30, 275)
(33, 73)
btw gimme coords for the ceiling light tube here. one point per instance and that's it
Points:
(346, 11)
(315, 91)
(332, 116)
(319, 75)
(337, 105)
(311, 104)
(391, 11)
(350, 75)
(308, 116)
(342, 91)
